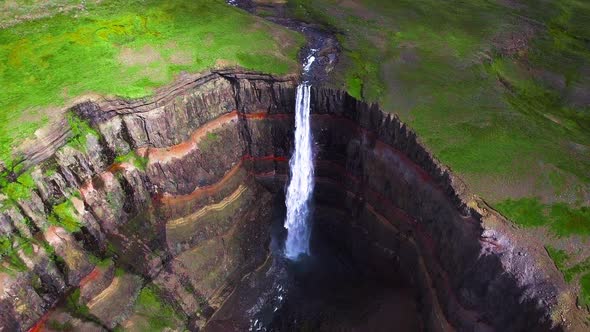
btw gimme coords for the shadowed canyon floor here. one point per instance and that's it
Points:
(327, 291)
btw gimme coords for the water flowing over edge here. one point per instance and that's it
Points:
(301, 184)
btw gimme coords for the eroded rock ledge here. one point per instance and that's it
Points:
(175, 190)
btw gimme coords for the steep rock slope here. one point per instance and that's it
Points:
(165, 188)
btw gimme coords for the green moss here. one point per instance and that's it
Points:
(354, 85)
(9, 246)
(27, 246)
(212, 136)
(363, 79)
(111, 250)
(584, 298)
(65, 215)
(22, 9)
(125, 48)
(208, 141)
(50, 169)
(133, 158)
(264, 12)
(36, 282)
(80, 130)
(304, 10)
(119, 272)
(160, 315)
(100, 262)
(564, 45)
(20, 189)
(75, 307)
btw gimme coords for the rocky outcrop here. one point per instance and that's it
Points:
(176, 190)
(176, 196)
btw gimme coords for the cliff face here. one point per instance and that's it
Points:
(176, 191)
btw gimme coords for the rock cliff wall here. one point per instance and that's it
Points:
(175, 191)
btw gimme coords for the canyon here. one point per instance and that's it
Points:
(190, 212)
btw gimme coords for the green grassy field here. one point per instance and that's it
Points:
(483, 110)
(495, 92)
(125, 48)
(562, 219)
(571, 272)
(499, 91)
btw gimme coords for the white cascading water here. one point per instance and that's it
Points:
(301, 186)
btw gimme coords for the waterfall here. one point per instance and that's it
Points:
(301, 185)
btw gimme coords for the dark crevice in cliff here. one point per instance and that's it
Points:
(126, 136)
(129, 204)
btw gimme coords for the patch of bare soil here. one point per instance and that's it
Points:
(534, 183)
(399, 99)
(143, 56)
(358, 9)
(515, 41)
(208, 40)
(14, 12)
(156, 74)
(545, 181)
(281, 36)
(224, 63)
(181, 58)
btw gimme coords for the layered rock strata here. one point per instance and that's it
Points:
(176, 191)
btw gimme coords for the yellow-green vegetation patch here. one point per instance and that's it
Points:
(125, 48)
(65, 215)
(584, 299)
(207, 141)
(157, 314)
(579, 271)
(562, 219)
(76, 307)
(100, 262)
(9, 258)
(133, 158)
(119, 272)
(80, 130)
(18, 189)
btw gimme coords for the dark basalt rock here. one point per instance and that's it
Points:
(218, 146)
